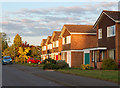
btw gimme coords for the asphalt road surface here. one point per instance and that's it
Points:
(18, 75)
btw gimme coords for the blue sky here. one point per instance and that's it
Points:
(37, 20)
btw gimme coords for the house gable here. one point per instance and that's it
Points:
(112, 15)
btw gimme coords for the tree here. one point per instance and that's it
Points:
(3, 41)
(34, 51)
(17, 43)
(23, 53)
(9, 51)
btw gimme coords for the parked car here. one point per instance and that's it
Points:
(33, 60)
(6, 60)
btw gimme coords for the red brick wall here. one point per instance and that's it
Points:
(60, 45)
(43, 52)
(105, 41)
(66, 33)
(117, 41)
(76, 59)
(66, 47)
(83, 41)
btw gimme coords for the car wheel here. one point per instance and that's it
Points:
(29, 62)
(38, 62)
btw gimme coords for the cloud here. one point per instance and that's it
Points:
(43, 21)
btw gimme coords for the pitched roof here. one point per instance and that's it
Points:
(43, 42)
(55, 35)
(80, 28)
(114, 15)
(48, 40)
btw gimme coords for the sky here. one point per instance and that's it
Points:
(34, 21)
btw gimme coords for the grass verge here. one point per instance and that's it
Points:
(108, 75)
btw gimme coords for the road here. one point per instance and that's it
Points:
(19, 75)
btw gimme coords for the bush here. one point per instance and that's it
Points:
(57, 65)
(86, 67)
(50, 66)
(61, 64)
(49, 61)
(109, 64)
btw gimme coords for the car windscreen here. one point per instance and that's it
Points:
(6, 57)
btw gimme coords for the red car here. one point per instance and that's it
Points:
(33, 60)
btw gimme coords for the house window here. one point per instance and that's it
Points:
(50, 46)
(68, 39)
(63, 41)
(93, 56)
(103, 54)
(111, 31)
(100, 33)
(44, 48)
(57, 43)
(54, 44)
(101, 57)
(112, 54)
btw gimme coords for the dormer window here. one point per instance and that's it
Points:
(111, 31)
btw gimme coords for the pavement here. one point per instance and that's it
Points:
(19, 75)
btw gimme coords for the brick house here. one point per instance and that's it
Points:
(55, 45)
(107, 28)
(44, 49)
(75, 38)
(48, 46)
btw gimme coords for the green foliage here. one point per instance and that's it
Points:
(3, 41)
(34, 52)
(9, 52)
(49, 61)
(62, 64)
(109, 64)
(55, 65)
(50, 66)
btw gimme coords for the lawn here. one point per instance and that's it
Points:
(98, 74)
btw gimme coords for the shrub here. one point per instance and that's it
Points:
(49, 61)
(50, 66)
(109, 64)
(85, 67)
(58, 65)
(61, 64)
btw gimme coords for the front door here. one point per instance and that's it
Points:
(87, 58)
(56, 57)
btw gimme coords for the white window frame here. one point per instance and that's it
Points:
(112, 54)
(110, 30)
(43, 48)
(50, 46)
(68, 39)
(100, 33)
(63, 40)
(57, 43)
